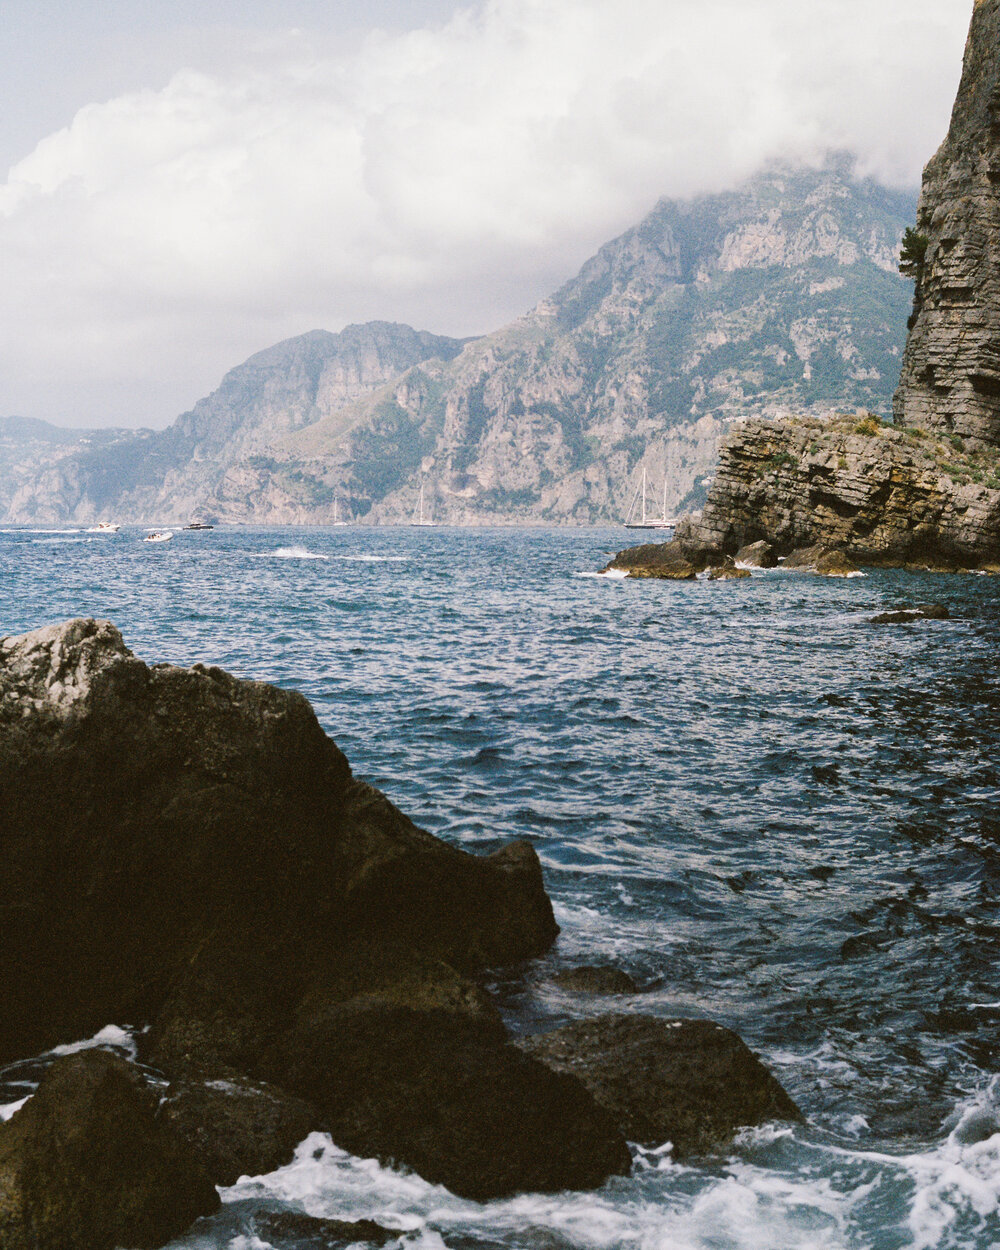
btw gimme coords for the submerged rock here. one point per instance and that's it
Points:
(87, 1164)
(305, 1232)
(727, 573)
(596, 979)
(689, 1082)
(904, 615)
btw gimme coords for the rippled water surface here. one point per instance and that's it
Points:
(768, 809)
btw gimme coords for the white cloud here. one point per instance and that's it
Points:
(448, 177)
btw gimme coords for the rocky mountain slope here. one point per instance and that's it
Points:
(782, 297)
(925, 492)
(779, 298)
(174, 473)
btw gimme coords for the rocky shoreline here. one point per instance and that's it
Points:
(190, 853)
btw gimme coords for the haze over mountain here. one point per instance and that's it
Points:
(780, 297)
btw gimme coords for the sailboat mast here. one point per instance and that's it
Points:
(644, 494)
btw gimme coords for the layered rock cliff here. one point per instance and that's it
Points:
(951, 370)
(885, 495)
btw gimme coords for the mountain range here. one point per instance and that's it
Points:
(779, 298)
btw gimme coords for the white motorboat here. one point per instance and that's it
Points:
(158, 536)
(104, 527)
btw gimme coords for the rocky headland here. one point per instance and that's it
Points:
(923, 493)
(189, 854)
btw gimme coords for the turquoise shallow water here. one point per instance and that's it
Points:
(769, 810)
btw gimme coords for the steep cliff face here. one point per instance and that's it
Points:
(886, 495)
(951, 371)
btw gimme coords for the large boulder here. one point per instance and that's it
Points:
(671, 561)
(190, 851)
(151, 817)
(87, 1164)
(688, 1082)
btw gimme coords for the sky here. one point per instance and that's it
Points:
(186, 182)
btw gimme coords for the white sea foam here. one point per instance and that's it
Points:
(373, 559)
(109, 1038)
(614, 575)
(8, 1109)
(290, 553)
(781, 1190)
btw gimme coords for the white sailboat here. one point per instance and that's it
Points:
(336, 514)
(418, 512)
(662, 522)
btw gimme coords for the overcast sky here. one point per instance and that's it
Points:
(188, 181)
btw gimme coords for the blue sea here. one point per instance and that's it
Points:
(770, 811)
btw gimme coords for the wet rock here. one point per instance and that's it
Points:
(759, 555)
(86, 1164)
(236, 1127)
(452, 1098)
(904, 615)
(674, 561)
(822, 560)
(727, 573)
(307, 1233)
(689, 1082)
(596, 979)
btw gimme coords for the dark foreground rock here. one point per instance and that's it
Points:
(236, 1127)
(454, 1100)
(190, 851)
(86, 1164)
(689, 1082)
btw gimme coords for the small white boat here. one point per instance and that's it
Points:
(336, 514)
(158, 536)
(104, 527)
